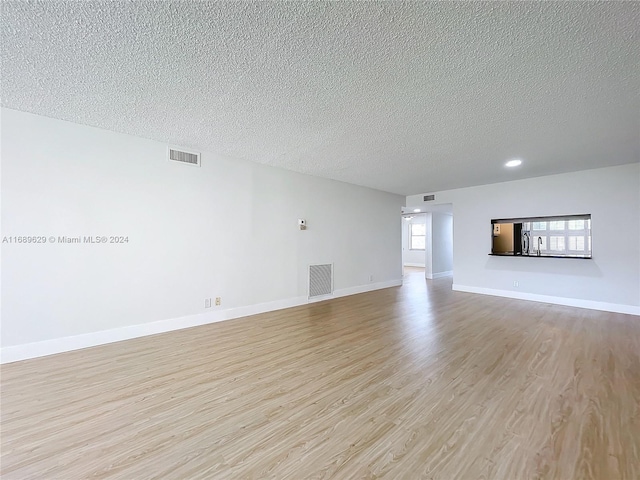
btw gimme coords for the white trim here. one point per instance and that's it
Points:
(571, 302)
(65, 344)
(410, 264)
(264, 307)
(432, 276)
(25, 351)
(320, 298)
(344, 292)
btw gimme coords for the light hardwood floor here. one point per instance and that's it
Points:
(411, 382)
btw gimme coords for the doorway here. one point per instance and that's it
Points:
(427, 239)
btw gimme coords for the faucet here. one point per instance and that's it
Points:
(539, 244)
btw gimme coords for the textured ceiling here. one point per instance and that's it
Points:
(402, 97)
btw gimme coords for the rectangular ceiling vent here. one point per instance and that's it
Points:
(320, 281)
(183, 156)
(429, 198)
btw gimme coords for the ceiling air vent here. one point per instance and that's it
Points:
(182, 156)
(428, 198)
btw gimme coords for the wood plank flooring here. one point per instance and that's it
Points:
(403, 383)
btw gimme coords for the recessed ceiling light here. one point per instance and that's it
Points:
(416, 210)
(513, 163)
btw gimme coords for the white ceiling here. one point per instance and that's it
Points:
(404, 97)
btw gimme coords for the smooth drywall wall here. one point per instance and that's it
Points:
(442, 244)
(412, 258)
(610, 280)
(227, 229)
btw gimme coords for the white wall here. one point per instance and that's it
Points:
(412, 258)
(609, 281)
(442, 244)
(227, 229)
(428, 259)
(437, 258)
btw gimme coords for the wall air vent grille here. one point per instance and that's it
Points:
(320, 280)
(188, 158)
(429, 198)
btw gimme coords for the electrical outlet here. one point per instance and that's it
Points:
(218, 301)
(371, 278)
(516, 283)
(207, 303)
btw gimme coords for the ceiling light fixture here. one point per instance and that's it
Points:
(416, 210)
(513, 163)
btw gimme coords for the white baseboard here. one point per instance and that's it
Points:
(264, 307)
(343, 292)
(409, 264)
(432, 276)
(570, 302)
(26, 351)
(65, 344)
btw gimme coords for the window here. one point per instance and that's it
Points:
(570, 237)
(576, 243)
(556, 243)
(417, 235)
(542, 242)
(557, 225)
(576, 224)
